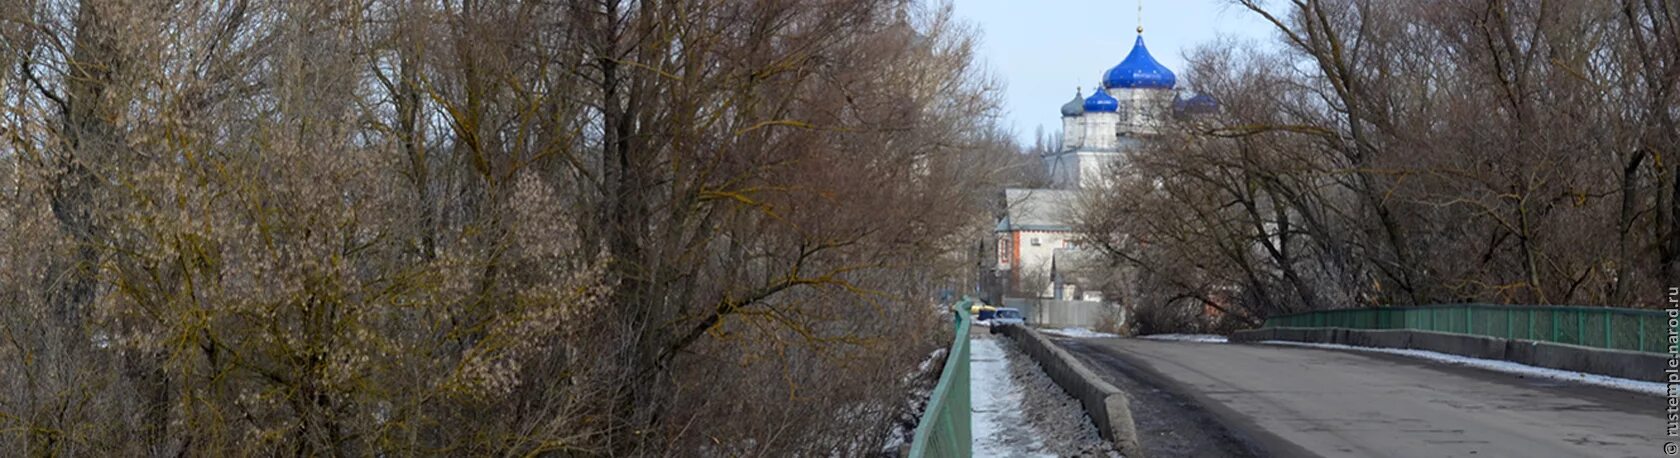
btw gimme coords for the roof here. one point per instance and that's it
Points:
(1101, 102)
(1037, 210)
(1200, 104)
(1139, 70)
(1076, 106)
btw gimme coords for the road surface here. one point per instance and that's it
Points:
(1205, 400)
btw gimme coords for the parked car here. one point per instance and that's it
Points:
(1007, 316)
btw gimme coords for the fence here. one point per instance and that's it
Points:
(945, 429)
(1600, 327)
(1047, 313)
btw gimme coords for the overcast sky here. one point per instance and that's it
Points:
(1043, 49)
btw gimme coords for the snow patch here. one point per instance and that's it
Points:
(921, 384)
(1508, 367)
(999, 429)
(1078, 333)
(1206, 338)
(936, 356)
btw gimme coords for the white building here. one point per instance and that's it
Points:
(1036, 223)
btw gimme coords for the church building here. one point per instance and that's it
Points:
(1035, 239)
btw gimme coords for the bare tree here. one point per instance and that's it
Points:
(578, 227)
(1491, 151)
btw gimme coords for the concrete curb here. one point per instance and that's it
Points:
(1108, 407)
(1615, 363)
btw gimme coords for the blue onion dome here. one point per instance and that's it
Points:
(1101, 102)
(1139, 70)
(1076, 106)
(1200, 104)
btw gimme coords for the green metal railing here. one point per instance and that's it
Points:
(1601, 327)
(945, 429)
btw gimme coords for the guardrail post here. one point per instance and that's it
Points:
(1508, 324)
(1557, 324)
(1530, 324)
(1580, 327)
(1609, 336)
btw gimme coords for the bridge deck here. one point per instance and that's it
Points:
(1289, 401)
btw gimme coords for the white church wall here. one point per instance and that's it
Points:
(1147, 110)
(1094, 168)
(1099, 130)
(1073, 132)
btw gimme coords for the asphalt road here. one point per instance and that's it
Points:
(1207, 400)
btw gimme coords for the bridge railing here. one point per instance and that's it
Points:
(946, 426)
(1601, 327)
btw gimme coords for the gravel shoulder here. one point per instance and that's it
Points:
(1020, 412)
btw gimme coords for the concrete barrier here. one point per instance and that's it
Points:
(1109, 408)
(1615, 363)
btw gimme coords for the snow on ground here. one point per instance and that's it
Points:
(1079, 333)
(937, 356)
(1500, 366)
(1058, 418)
(921, 383)
(1207, 338)
(999, 429)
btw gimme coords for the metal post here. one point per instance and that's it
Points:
(1580, 327)
(1641, 332)
(1557, 322)
(1531, 323)
(1609, 338)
